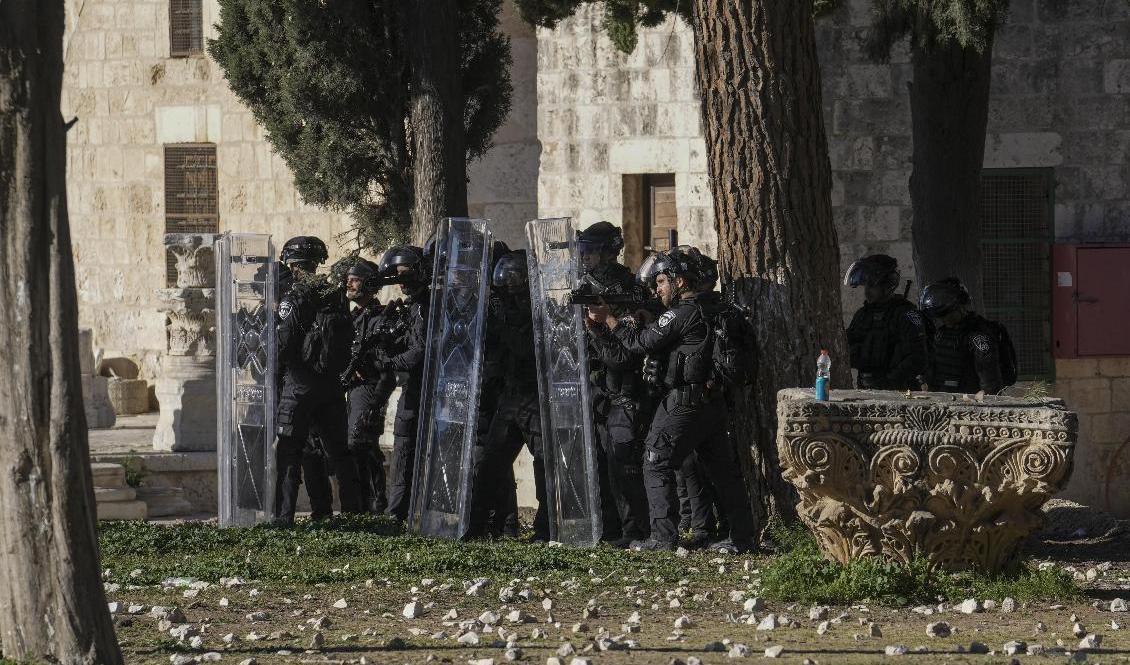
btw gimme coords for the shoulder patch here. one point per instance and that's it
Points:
(915, 318)
(285, 308)
(666, 319)
(981, 343)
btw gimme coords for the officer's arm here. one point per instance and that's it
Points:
(910, 359)
(855, 337)
(412, 356)
(610, 351)
(289, 328)
(986, 360)
(659, 334)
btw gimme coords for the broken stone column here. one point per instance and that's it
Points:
(95, 389)
(946, 477)
(186, 388)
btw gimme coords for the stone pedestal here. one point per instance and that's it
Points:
(187, 394)
(95, 389)
(113, 498)
(186, 388)
(940, 476)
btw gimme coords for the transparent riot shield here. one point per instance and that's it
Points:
(449, 399)
(246, 275)
(566, 407)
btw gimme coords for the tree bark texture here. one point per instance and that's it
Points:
(436, 115)
(52, 605)
(759, 80)
(949, 107)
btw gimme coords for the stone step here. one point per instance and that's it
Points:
(165, 501)
(122, 510)
(108, 475)
(114, 494)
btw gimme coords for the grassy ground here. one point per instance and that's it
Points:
(298, 576)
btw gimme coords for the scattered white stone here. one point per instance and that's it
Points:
(506, 594)
(114, 607)
(513, 653)
(939, 629)
(580, 628)
(675, 603)
(224, 602)
(321, 623)
(580, 661)
(634, 617)
(195, 642)
(469, 637)
(1008, 605)
(969, 606)
(181, 659)
(818, 613)
(538, 634)
(1041, 627)
(739, 651)
(1091, 641)
(1118, 605)
(1035, 650)
(1013, 647)
(753, 605)
(248, 661)
(341, 604)
(822, 628)
(488, 618)
(1078, 630)
(566, 650)
(412, 610)
(547, 604)
(481, 661)
(925, 610)
(1114, 625)
(768, 623)
(258, 616)
(896, 650)
(317, 640)
(518, 616)
(553, 660)
(683, 622)
(774, 651)
(476, 587)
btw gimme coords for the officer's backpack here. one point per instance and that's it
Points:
(734, 351)
(329, 340)
(1006, 352)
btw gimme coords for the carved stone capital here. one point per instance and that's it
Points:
(193, 254)
(957, 482)
(190, 321)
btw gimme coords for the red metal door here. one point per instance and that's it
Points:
(1102, 298)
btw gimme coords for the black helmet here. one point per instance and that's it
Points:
(404, 255)
(511, 272)
(704, 268)
(941, 297)
(875, 270)
(304, 249)
(369, 273)
(674, 262)
(600, 237)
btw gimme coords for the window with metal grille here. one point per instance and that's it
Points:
(1017, 229)
(191, 204)
(186, 28)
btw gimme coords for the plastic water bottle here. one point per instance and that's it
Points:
(823, 375)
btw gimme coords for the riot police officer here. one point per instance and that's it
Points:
(309, 332)
(406, 359)
(692, 415)
(967, 354)
(368, 388)
(887, 336)
(621, 407)
(516, 416)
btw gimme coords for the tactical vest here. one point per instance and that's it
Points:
(953, 364)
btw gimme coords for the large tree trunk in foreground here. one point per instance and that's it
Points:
(436, 115)
(52, 606)
(759, 80)
(949, 105)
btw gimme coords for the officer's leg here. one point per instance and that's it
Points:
(668, 443)
(366, 420)
(721, 461)
(698, 501)
(403, 456)
(490, 463)
(331, 419)
(611, 528)
(293, 426)
(315, 475)
(625, 450)
(531, 420)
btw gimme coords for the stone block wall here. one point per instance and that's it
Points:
(131, 98)
(603, 115)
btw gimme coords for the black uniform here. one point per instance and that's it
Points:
(691, 417)
(888, 345)
(516, 418)
(408, 364)
(367, 400)
(966, 357)
(622, 413)
(309, 400)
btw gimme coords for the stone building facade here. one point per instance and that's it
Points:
(597, 134)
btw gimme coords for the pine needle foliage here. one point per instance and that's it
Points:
(929, 23)
(329, 82)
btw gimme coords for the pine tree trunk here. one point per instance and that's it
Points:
(436, 115)
(759, 79)
(52, 605)
(949, 106)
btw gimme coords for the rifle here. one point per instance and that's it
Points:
(389, 327)
(592, 292)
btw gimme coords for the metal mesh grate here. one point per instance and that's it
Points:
(190, 194)
(1017, 229)
(186, 27)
